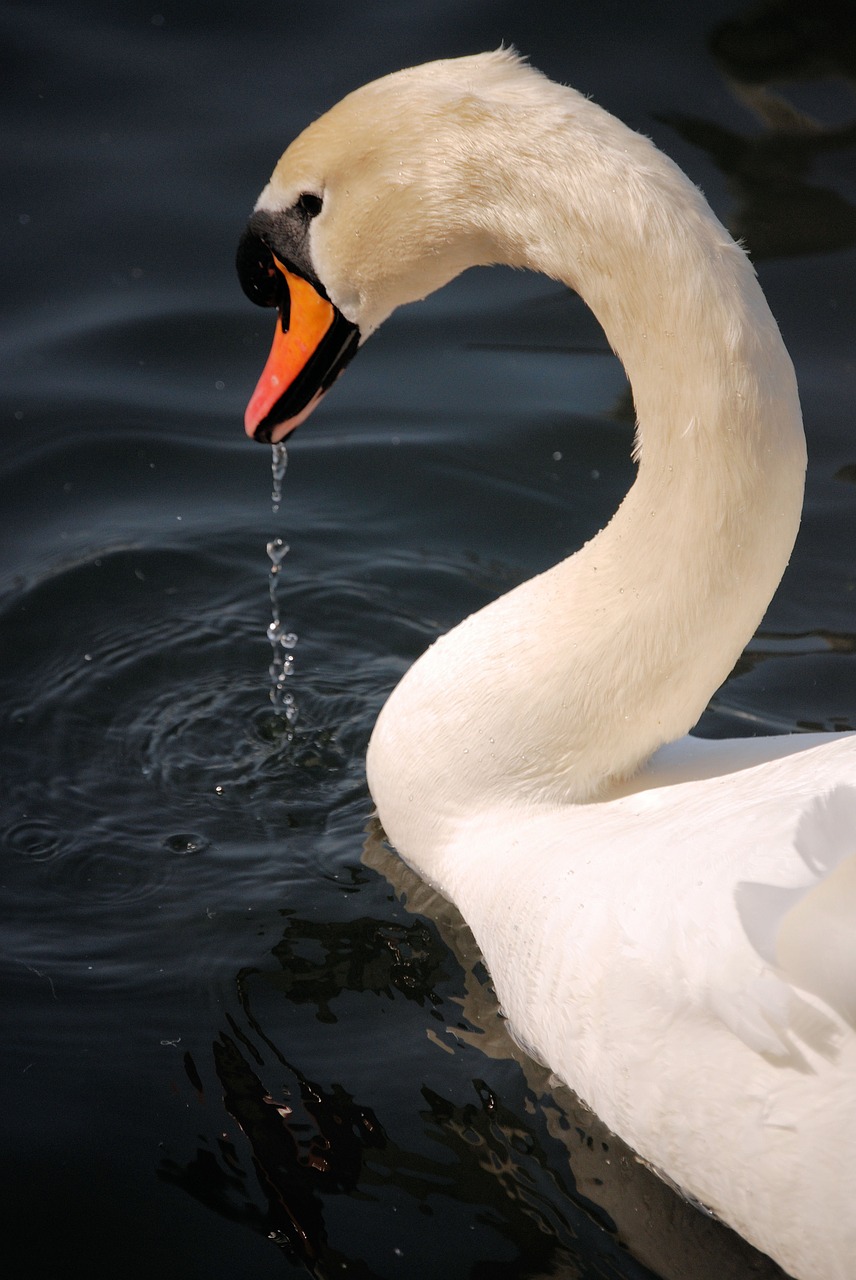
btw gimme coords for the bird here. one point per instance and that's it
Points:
(668, 921)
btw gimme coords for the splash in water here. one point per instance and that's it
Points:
(282, 640)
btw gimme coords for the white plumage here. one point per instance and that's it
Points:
(669, 927)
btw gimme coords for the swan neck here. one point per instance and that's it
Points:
(617, 649)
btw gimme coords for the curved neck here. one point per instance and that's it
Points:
(617, 649)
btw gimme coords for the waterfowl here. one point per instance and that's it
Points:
(668, 922)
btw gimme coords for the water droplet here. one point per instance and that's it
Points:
(280, 638)
(277, 551)
(278, 464)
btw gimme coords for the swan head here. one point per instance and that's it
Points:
(374, 205)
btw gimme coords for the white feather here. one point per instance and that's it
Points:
(674, 938)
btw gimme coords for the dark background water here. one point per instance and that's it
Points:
(238, 1039)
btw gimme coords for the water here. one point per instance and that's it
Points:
(241, 1039)
(282, 640)
(278, 464)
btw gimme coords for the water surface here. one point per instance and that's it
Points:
(240, 1038)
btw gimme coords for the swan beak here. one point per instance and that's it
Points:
(312, 344)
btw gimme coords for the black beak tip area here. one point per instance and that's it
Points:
(257, 272)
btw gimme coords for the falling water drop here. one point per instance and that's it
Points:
(278, 463)
(282, 641)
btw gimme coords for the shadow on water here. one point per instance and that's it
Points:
(539, 1172)
(784, 206)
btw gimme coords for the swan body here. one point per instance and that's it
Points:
(668, 922)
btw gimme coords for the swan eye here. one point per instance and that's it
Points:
(310, 204)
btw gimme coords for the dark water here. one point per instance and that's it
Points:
(239, 1039)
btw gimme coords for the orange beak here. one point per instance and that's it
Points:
(312, 344)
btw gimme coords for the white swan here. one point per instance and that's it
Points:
(675, 938)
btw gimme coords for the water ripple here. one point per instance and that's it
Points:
(33, 838)
(174, 806)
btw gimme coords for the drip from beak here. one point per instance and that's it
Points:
(312, 344)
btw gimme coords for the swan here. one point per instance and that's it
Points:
(668, 921)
